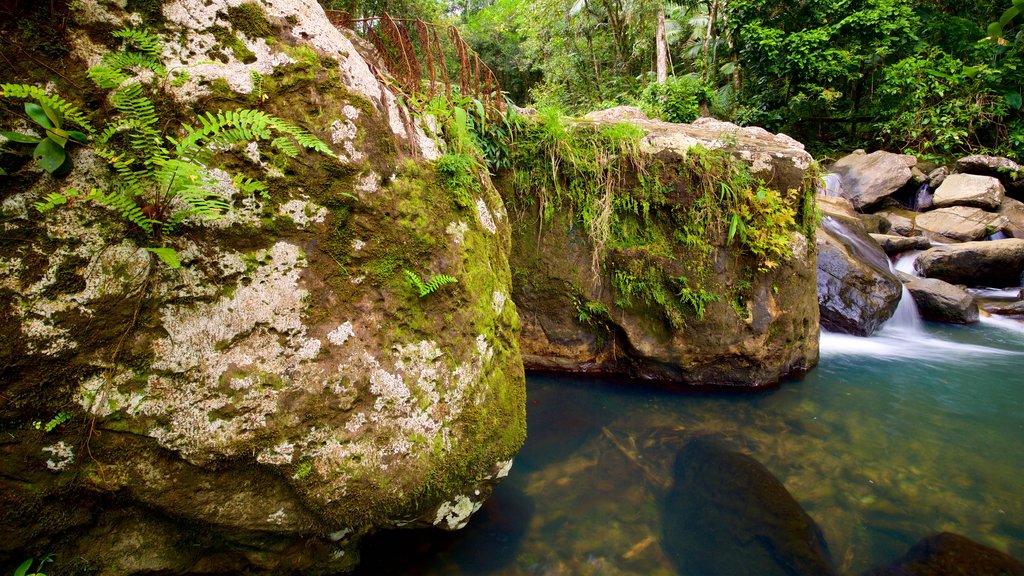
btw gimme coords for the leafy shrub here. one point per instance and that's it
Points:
(678, 99)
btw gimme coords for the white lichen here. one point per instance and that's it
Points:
(280, 454)
(62, 456)
(457, 230)
(498, 300)
(341, 334)
(303, 212)
(358, 244)
(484, 216)
(503, 468)
(455, 514)
(278, 518)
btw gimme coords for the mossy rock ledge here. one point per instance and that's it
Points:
(748, 323)
(286, 390)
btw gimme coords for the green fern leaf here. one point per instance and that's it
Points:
(435, 283)
(168, 255)
(68, 110)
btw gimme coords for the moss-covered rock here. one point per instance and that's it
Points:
(680, 253)
(286, 390)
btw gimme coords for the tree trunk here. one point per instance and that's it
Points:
(661, 41)
(709, 37)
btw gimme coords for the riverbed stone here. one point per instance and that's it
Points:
(996, 263)
(1007, 171)
(869, 178)
(969, 190)
(960, 223)
(940, 301)
(856, 290)
(726, 515)
(893, 244)
(1013, 211)
(949, 554)
(900, 221)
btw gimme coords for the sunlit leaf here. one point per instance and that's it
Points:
(20, 138)
(36, 113)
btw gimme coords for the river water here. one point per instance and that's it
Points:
(890, 438)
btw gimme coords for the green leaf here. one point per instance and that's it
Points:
(1009, 15)
(1014, 100)
(78, 137)
(55, 135)
(971, 71)
(49, 155)
(36, 113)
(168, 255)
(53, 115)
(21, 570)
(22, 138)
(995, 30)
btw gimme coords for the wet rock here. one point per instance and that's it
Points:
(893, 244)
(948, 554)
(1013, 211)
(900, 221)
(969, 190)
(940, 301)
(856, 290)
(960, 223)
(997, 263)
(938, 176)
(868, 178)
(727, 515)
(1011, 309)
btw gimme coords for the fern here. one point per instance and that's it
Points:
(124, 204)
(67, 109)
(115, 67)
(435, 283)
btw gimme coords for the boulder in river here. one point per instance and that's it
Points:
(948, 554)
(1008, 171)
(899, 220)
(868, 178)
(894, 244)
(940, 301)
(960, 223)
(996, 263)
(1013, 211)
(727, 515)
(970, 190)
(856, 290)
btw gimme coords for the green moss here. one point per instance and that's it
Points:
(226, 39)
(250, 19)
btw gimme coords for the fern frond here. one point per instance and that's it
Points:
(123, 203)
(54, 199)
(304, 138)
(286, 146)
(67, 109)
(249, 186)
(144, 40)
(435, 283)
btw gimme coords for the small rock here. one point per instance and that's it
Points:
(1013, 309)
(938, 176)
(900, 221)
(940, 301)
(894, 244)
(1013, 211)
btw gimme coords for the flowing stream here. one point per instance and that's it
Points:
(915, 430)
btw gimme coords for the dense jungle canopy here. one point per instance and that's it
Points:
(934, 77)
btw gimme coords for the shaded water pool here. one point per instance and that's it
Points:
(890, 439)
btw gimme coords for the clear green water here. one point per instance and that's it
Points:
(888, 440)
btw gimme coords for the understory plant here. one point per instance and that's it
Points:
(162, 176)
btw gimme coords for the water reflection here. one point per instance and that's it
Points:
(888, 440)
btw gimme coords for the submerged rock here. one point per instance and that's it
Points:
(997, 263)
(869, 178)
(726, 515)
(948, 554)
(856, 290)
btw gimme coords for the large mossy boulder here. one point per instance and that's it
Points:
(285, 390)
(726, 515)
(623, 262)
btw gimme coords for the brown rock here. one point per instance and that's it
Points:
(894, 244)
(969, 190)
(996, 263)
(868, 178)
(940, 301)
(949, 554)
(960, 223)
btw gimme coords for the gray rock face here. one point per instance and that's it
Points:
(893, 245)
(998, 263)
(940, 301)
(969, 190)
(868, 178)
(1007, 171)
(938, 176)
(960, 223)
(856, 290)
